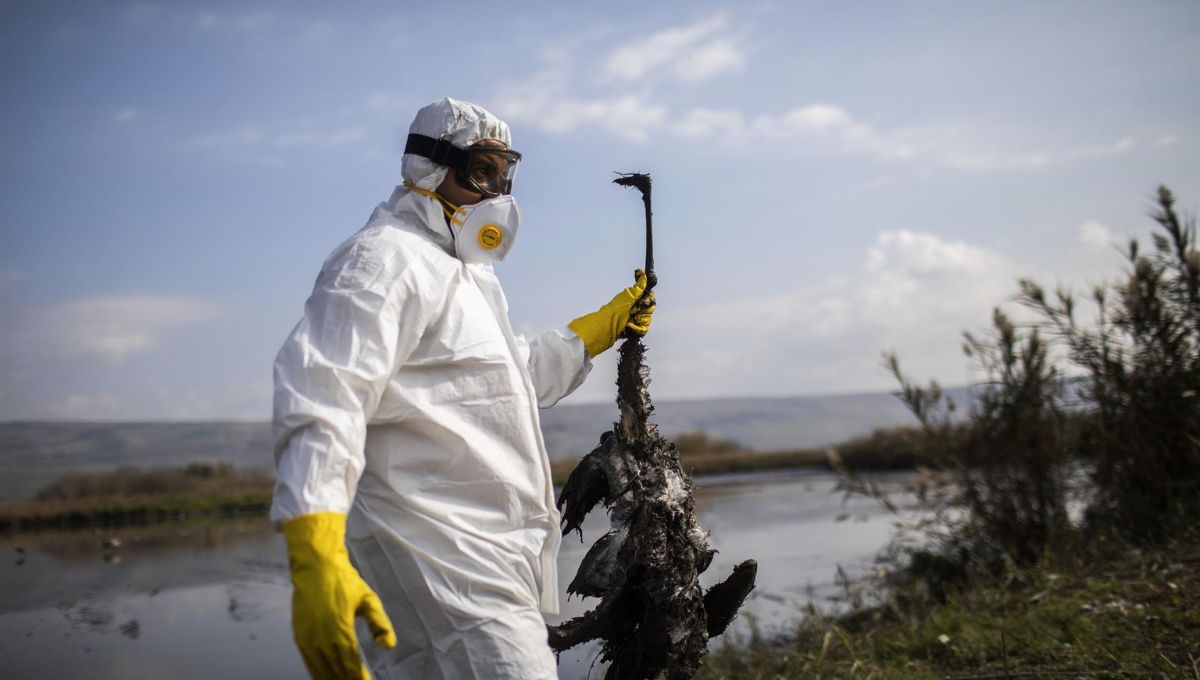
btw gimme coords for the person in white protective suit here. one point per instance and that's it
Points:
(406, 424)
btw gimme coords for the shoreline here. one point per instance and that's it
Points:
(34, 515)
(853, 456)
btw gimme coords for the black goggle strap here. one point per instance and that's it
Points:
(442, 152)
(439, 151)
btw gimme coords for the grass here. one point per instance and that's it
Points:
(1133, 614)
(130, 495)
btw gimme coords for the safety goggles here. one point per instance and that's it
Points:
(488, 170)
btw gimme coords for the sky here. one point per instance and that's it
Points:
(831, 180)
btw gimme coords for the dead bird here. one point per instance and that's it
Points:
(653, 616)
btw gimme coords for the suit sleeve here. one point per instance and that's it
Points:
(558, 364)
(360, 324)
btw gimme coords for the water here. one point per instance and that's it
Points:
(203, 601)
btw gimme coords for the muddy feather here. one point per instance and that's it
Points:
(653, 617)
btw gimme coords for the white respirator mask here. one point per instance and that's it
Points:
(485, 232)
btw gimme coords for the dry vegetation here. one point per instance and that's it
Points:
(888, 448)
(134, 495)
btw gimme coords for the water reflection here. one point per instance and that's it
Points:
(202, 601)
(155, 601)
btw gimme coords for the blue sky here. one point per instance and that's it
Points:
(831, 180)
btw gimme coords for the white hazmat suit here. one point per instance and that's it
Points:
(404, 399)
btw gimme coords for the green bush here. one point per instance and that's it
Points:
(1141, 359)
(997, 491)
(700, 444)
(886, 448)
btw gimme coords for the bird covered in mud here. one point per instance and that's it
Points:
(653, 616)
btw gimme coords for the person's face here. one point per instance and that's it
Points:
(485, 166)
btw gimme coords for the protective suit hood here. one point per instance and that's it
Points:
(464, 124)
(423, 214)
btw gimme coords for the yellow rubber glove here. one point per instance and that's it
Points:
(600, 329)
(328, 594)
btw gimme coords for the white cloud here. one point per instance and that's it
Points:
(915, 294)
(964, 155)
(1090, 151)
(560, 99)
(688, 53)
(9, 277)
(625, 101)
(968, 153)
(107, 328)
(703, 122)
(827, 127)
(926, 255)
(718, 57)
(831, 122)
(126, 115)
(820, 117)
(1094, 234)
(543, 101)
(629, 116)
(1166, 140)
(821, 122)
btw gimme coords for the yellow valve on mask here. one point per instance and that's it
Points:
(600, 329)
(328, 594)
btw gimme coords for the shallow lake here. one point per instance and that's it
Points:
(211, 600)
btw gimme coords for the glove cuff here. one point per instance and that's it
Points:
(594, 334)
(317, 537)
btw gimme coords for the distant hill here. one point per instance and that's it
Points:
(33, 453)
(763, 424)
